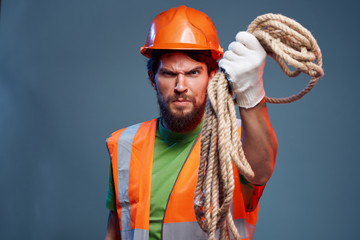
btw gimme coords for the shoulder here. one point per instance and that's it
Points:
(130, 130)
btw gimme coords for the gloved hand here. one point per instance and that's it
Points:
(244, 61)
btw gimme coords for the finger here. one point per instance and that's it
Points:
(228, 66)
(238, 48)
(223, 63)
(230, 55)
(248, 40)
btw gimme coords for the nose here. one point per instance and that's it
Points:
(181, 83)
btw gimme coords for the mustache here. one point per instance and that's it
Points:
(181, 96)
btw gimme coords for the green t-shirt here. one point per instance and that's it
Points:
(170, 152)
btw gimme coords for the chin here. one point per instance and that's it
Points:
(181, 112)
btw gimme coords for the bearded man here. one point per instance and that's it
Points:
(154, 164)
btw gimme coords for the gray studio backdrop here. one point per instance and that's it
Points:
(71, 73)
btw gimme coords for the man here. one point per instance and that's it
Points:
(154, 164)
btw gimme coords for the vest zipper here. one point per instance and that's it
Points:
(162, 224)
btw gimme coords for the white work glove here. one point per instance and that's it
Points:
(244, 62)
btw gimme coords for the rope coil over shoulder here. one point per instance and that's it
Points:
(288, 43)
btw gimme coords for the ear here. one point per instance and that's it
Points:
(152, 80)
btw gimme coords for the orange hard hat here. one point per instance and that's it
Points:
(182, 28)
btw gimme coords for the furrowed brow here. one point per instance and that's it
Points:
(166, 70)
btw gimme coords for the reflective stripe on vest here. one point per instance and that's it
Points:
(131, 152)
(123, 162)
(191, 230)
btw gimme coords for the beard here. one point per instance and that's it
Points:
(180, 122)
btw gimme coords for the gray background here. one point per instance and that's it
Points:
(71, 73)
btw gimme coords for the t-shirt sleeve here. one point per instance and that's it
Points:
(111, 198)
(251, 194)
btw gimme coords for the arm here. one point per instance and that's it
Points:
(244, 61)
(259, 142)
(113, 230)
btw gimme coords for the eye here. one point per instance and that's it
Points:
(168, 73)
(194, 73)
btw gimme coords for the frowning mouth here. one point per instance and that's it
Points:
(181, 100)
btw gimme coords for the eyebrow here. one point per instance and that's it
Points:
(164, 69)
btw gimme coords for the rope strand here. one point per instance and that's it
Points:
(288, 43)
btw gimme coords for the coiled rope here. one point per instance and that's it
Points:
(288, 43)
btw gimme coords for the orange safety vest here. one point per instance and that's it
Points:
(131, 150)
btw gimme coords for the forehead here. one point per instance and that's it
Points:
(179, 61)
